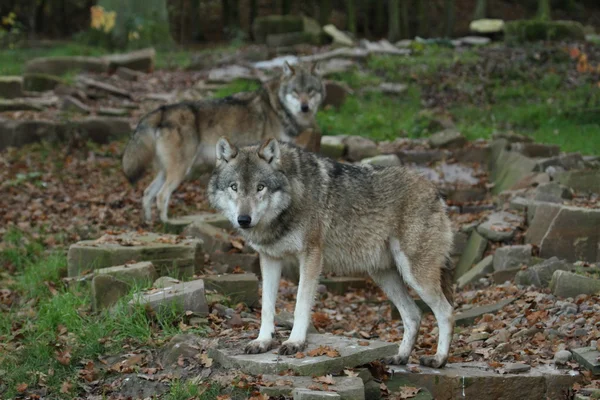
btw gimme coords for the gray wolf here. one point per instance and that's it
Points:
(387, 222)
(176, 137)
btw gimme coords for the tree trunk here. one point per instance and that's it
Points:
(324, 12)
(404, 25)
(253, 10)
(423, 17)
(449, 18)
(286, 7)
(394, 20)
(351, 14)
(480, 9)
(365, 9)
(544, 10)
(225, 13)
(379, 27)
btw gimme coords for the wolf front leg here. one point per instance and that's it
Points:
(311, 265)
(271, 273)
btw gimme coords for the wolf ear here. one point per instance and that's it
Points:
(225, 150)
(288, 70)
(269, 151)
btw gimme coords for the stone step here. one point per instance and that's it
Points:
(344, 388)
(342, 284)
(589, 358)
(177, 225)
(240, 288)
(185, 296)
(351, 355)
(479, 381)
(169, 254)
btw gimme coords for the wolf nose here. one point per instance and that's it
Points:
(304, 107)
(244, 221)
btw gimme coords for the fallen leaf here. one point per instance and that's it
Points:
(21, 387)
(350, 373)
(327, 379)
(300, 355)
(66, 387)
(63, 357)
(363, 343)
(408, 392)
(206, 360)
(237, 244)
(324, 351)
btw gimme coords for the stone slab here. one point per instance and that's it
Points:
(342, 284)
(225, 263)
(472, 254)
(345, 387)
(480, 270)
(107, 290)
(169, 254)
(186, 296)
(238, 287)
(177, 225)
(568, 284)
(469, 316)
(136, 274)
(351, 355)
(499, 226)
(479, 381)
(589, 358)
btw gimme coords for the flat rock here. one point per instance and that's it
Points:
(58, 66)
(469, 316)
(178, 225)
(589, 358)
(383, 160)
(499, 226)
(552, 192)
(138, 60)
(472, 254)
(11, 87)
(448, 138)
(238, 287)
(351, 355)
(581, 180)
(22, 104)
(141, 273)
(481, 269)
(512, 256)
(36, 82)
(569, 284)
(342, 284)
(129, 74)
(71, 104)
(181, 345)
(107, 290)
(359, 147)
(168, 253)
(339, 37)
(185, 296)
(333, 146)
(226, 263)
(479, 381)
(516, 368)
(540, 274)
(508, 167)
(344, 387)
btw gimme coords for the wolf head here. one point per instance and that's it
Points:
(301, 92)
(247, 185)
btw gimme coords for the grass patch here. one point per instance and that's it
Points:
(239, 85)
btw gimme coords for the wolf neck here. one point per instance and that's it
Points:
(290, 126)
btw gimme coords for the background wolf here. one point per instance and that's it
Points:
(387, 222)
(175, 137)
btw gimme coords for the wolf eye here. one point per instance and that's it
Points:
(260, 188)
(233, 187)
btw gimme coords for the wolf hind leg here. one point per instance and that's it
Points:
(393, 286)
(150, 194)
(427, 283)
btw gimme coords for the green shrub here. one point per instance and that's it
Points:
(534, 30)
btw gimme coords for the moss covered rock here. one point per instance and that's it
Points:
(41, 82)
(533, 30)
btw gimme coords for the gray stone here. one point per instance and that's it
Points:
(181, 345)
(459, 195)
(448, 138)
(469, 316)
(214, 239)
(383, 47)
(178, 225)
(106, 291)
(96, 85)
(165, 282)
(285, 319)
(539, 218)
(168, 253)
(589, 358)
(472, 254)
(11, 87)
(185, 296)
(508, 167)
(351, 355)
(342, 284)
(481, 269)
(566, 161)
(540, 275)
(129, 74)
(333, 146)
(530, 180)
(138, 60)
(536, 149)
(335, 93)
(307, 394)
(499, 226)
(19, 105)
(518, 203)
(383, 160)
(227, 263)
(71, 104)
(61, 65)
(552, 192)
(512, 256)
(568, 284)
(516, 368)
(359, 147)
(136, 274)
(339, 37)
(573, 235)
(476, 380)
(345, 387)
(581, 180)
(41, 82)
(238, 287)
(562, 357)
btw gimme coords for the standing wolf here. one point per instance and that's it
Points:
(176, 137)
(388, 222)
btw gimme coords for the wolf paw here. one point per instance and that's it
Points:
(259, 346)
(432, 361)
(396, 360)
(289, 348)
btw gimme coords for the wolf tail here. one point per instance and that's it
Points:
(448, 280)
(141, 149)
